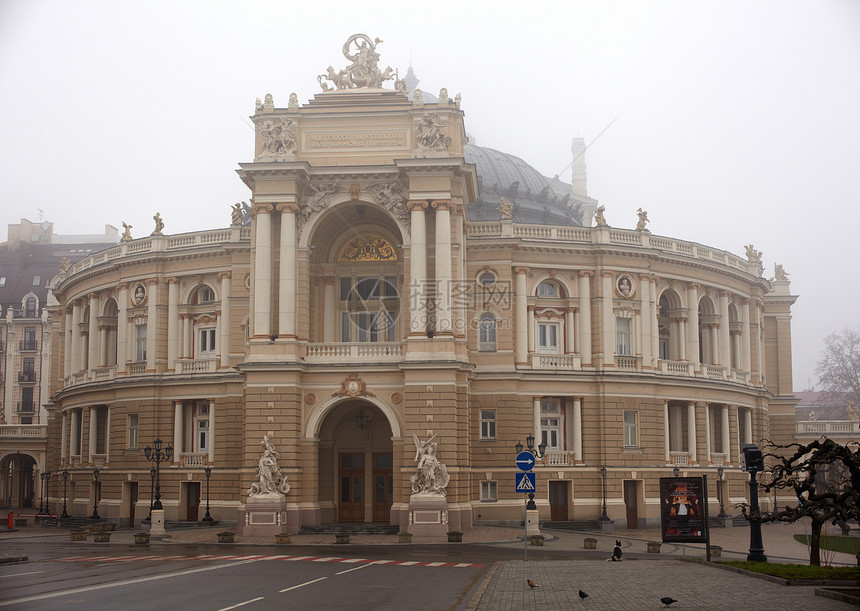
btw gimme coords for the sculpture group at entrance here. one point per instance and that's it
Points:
(428, 505)
(265, 511)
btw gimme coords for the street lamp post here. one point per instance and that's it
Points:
(753, 462)
(65, 515)
(151, 492)
(541, 450)
(95, 515)
(158, 456)
(42, 493)
(48, 492)
(604, 517)
(208, 471)
(722, 513)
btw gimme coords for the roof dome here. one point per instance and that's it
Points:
(536, 198)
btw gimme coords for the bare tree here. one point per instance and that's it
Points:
(824, 475)
(838, 369)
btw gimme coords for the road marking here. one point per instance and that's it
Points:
(247, 602)
(329, 559)
(20, 574)
(301, 585)
(409, 563)
(355, 568)
(106, 560)
(125, 582)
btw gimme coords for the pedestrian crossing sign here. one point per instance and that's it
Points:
(525, 482)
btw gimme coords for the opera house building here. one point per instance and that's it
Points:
(391, 314)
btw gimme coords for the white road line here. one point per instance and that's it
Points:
(293, 558)
(435, 563)
(462, 564)
(301, 585)
(20, 574)
(125, 582)
(354, 560)
(382, 561)
(355, 568)
(247, 602)
(328, 559)
(409, 563)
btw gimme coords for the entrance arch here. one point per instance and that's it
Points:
(355, 457)
(17, 478)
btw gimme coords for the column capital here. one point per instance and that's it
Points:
(416, 204)
(151, 281)
(260, 208)
(726, 294)
(92, 296)
(694, 285)
(608, 274)
(290, 207)
(537, 397)
(586, 273)
(521, 269)
(122, 286)
(171, 280)
(225, 275)
(441, 204)
(329, 280)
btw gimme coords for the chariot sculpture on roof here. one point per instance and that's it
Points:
(363, 71)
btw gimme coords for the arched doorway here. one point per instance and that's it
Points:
(356, 477)
(17, 477)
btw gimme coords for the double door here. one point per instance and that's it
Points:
(352, 487)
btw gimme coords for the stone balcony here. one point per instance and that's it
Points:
(555, 362)
(352, 352)
(23, 431)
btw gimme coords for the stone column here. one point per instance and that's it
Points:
(107, 435)
(536, 419)
(122, 327)
(577, 429)
(745, 335)
(211, 457)
(666, 432)
(262, 220)
(655, 323)
(94, 424)
(329, 311)
(725, 342)
(444, 323)
(418, 270)
(709, 459)
(532, 328)
(747, 426)
(93, 343)
(178, 416)
(585, 316)
(185, 323)
(64, 444)
(569, 330)
(693, 324)
(691, 433)
(725, 432)
(67, 348)
(645, 323)
(288, 277)
(224, 319)
(608, 321)
(682, 340)
(76, 336)
(172, 322)
(521, 332)
(151, 323)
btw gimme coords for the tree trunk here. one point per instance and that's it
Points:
(815, 544)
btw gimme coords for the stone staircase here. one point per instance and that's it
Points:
(358, 528)
(587, 525)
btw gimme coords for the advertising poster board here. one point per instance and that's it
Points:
(683, 512)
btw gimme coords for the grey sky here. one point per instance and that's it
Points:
(738, 120)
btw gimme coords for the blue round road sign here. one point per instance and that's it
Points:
(525, 461)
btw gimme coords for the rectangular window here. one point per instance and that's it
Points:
(664, 349)
(37, 280)
(548, 337)
(203, 435)
(344, 326)
(29, 338)
(549, 433)
(631, 429)
(207, 343)
(489, 492)
(623, 337)
(29, 369)
(132, 430)
(488, 424)
(140, 343)
(27, 399)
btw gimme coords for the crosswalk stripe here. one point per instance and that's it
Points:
(284, 557)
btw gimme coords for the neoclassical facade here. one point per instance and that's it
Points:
(370, 294)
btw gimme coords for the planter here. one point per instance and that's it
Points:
(226, 537)
(716, 551)
(653, 547)
(282, 538)
(404, 537)
(79, 534)
(141, 538)
(589, 543)
(536, 540)
(101, 537)
(455, 537)
(98, 528)
(341, 538)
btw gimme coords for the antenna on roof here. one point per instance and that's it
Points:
(572, 161)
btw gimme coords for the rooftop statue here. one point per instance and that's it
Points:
(753, 255)
(432, 476)
(506, 209)
(363, 71)
(270, 480)
(643, 219)
(126, 234)
(599, 219)
(159, 224)
(780, 273)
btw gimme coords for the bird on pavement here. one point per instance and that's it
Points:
(583, 595)
(666, 600)
(532, 584)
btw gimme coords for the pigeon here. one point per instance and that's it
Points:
(667, 600)
(532, 584)
(583, 595)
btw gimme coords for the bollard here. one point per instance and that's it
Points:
(9, 524)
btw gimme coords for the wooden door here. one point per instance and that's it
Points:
(630, 496)
(193, 501)
(383, 486)
(351, 488)
(131, 494)
(558, 501)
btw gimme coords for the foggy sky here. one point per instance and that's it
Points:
(737, 121)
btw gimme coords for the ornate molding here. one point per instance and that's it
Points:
(353, 386)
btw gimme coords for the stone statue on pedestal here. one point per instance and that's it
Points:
(270, 479)
(432, 476)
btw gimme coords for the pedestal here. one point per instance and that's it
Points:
(157, 524)
(532, 520)
(428, 515)
(263, 515)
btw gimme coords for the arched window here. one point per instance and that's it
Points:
(547, 288)
(487, 333)
(30, 307)
(204, 294)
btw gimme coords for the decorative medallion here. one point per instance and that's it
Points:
(368, 249)
(353, 386)
(138, 294)
(310, 398)
(396, 398)
(624, 285)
